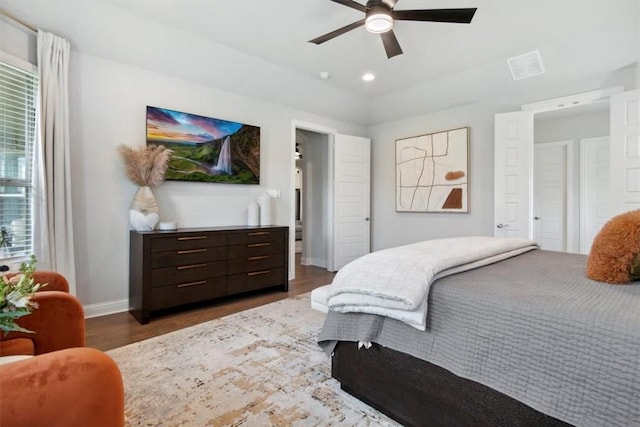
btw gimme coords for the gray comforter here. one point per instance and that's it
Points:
(532, 327)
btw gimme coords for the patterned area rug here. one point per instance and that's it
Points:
(260, 367)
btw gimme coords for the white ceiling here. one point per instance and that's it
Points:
(278, 31)
(260, 47)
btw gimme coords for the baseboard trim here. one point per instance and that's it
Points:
(314, 261)
(104, 308)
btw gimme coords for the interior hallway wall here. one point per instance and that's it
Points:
(315, 184)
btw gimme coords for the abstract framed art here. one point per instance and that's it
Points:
(204, 148)
(432, 172)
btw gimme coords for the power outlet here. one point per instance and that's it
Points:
(274, 194)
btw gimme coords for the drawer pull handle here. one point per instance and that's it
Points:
(257, 245)
(259, 233)
(186, 267)
(191, 251)
(192, 238)
(256, 273)
(186, 285)
(254, 258)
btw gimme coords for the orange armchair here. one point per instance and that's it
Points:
(57, 323)
(65, 383)
(72, 387)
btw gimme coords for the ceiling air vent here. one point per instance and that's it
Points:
(526, 65)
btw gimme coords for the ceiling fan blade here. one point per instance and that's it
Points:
(461, 16)
(352, 4)
(337, 32)
(390, 3)
(391, 45)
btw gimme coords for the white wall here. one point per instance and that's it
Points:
(17, 41)
(107, 108)
(574, 126)
(107, 103)
(390, 228)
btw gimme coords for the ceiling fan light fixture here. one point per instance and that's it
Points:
(379, 17)
(378, 20)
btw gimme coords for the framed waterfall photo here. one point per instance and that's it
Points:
(432, 172)
(206, 149)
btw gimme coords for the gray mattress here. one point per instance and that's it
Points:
(532, 327)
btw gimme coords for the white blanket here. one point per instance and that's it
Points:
(395, 282)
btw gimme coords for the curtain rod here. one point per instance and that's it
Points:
(18, 20)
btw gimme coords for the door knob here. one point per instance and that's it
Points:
(536, 218)
(366, 219)
(502, 225)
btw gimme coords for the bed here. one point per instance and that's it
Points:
(526, 341)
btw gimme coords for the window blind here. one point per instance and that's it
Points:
(18, 102)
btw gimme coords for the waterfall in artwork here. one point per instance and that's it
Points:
(224, 160)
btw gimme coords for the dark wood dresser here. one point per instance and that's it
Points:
(173, 268)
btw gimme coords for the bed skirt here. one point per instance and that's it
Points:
(418, 393)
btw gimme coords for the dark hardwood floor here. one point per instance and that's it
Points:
(116, 330)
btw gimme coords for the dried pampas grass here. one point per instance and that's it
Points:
(145, 166)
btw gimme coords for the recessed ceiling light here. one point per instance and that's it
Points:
(367, 77)
(324, 75)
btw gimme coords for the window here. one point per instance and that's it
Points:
(18, 98)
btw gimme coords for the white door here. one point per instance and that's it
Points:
(550, 195)
(513, 165)
(625, 151)
(595, 192)
(351, 199)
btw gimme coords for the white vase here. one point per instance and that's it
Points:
(144, 212)
(253, 217)
(264, 201)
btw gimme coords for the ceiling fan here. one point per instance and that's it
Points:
(379, 18)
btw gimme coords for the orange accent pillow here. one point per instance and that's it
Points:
(615, 252)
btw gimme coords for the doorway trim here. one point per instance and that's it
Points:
(571, 101)
(330, 133)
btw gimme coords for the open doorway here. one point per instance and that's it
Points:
(568, 204)
(514, 180)
(334, 194)
(312, 197)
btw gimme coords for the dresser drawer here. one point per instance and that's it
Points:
(188, 265)
(185, 241)
(188, 256)
(187, 273)
(256, 236)
(255, 263)
(256, 249)
(255, 280)
(175, 295)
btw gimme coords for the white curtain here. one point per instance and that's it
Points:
(53, 221)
